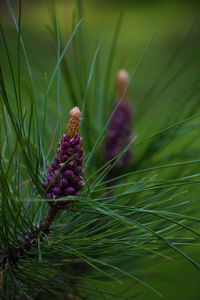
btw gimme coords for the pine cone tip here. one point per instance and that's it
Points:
(122, 82)
(74, 122)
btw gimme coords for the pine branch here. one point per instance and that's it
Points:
(12, 255)
(62, 162)
(129, 213)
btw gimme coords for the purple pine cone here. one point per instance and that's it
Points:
(63, 179)
(120, 134)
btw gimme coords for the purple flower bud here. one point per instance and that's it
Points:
(65, 145)
(79, 161)
(62, 151)
(65, 138)
(76, 156)
(49, 178)
(73, 142)
(54, 164)
(112, 133)
(78, 171)
(57, 190)
(69, 174)
(64, 182)
(79, 139)
(76, 148)
(75, 180)
(70, 151)
(70, 191)
(56, 175)
(71, 165)
(65, 157)
(49, 196)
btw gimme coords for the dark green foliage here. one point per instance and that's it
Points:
(147, 214)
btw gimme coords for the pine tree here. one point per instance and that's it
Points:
(84, 224)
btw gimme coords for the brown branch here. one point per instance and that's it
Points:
(12, 256)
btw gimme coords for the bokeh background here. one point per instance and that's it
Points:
(169, 22)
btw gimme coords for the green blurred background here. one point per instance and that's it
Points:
(170, 21)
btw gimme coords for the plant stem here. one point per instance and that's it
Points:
(12, 255)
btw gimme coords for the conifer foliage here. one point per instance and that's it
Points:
(84, 224)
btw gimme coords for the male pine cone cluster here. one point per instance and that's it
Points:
(119, 133)
(65, 176)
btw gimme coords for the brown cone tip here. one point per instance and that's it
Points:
(122, 82)
(74, 122)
